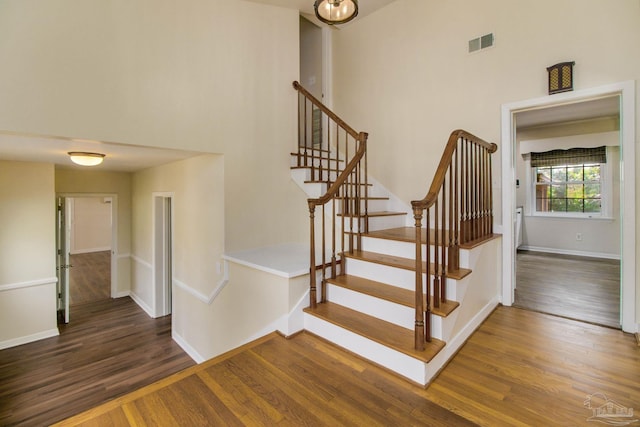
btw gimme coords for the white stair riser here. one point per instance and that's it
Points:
(397, 314)
(399, 277)
(374, 206)
(394, 313)
(407, 249)
(398, 362)
(375, 223)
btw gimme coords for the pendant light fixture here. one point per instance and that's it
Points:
(336, 11)
(86, 159)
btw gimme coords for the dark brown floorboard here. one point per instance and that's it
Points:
(520, 368)
(110, 348)
(586, 289)
(90, 277)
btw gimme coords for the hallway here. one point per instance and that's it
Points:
(110, 348)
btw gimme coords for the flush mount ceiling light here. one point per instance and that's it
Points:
(86, 159)
(336, 11)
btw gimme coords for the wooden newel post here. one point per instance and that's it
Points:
(312, 256)
(419, 318)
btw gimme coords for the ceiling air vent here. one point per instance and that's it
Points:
(481, 42)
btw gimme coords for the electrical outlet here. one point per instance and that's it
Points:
(579, 237)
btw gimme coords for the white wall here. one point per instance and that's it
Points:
(90, 224)
(27, 253)
(404, 75)
(207, 75)
(197, 185)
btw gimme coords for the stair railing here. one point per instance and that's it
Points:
(336, 156)
(457, 209)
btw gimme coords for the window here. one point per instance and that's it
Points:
(569, 182)
(569, 188)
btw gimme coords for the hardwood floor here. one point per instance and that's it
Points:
(90, 277)
(110, 348)
(586, 289)
(520, 368)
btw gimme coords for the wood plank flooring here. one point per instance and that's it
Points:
(90, 277)
(110, 348)
(520, 368)
(581, 288)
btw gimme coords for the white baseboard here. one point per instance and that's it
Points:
(293, 322)
(29, 338)
(569, 252)
(187, 348)
(142, 304)
(123, 294)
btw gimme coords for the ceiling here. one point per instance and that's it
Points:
(119, 157)
(582, 110)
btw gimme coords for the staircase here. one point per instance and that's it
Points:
(379, 297)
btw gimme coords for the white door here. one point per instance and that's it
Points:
(62, 258)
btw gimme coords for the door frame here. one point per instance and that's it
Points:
(62, 259)
(114, 232)
(162, 253)
(626, 91)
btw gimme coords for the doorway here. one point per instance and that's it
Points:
(162, 253)
(86, 244)
(90, 249)
(626, 94)
(311, 70)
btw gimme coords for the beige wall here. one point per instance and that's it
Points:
(206, 75)
(404, 75)
(27, 252)
(250, 303)
(90, 225)
(197, 188)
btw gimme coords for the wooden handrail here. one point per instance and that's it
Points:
(458, 206)
(324, 150)
(445, 161)
(325, 110)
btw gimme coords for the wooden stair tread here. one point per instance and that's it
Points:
(317, 168)
(404, 234)
(390, 293)
(324, 182)
(475, 243)
(380, 331)
(375, 214)
(365, 198)
(404, 263)
(302, 148)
